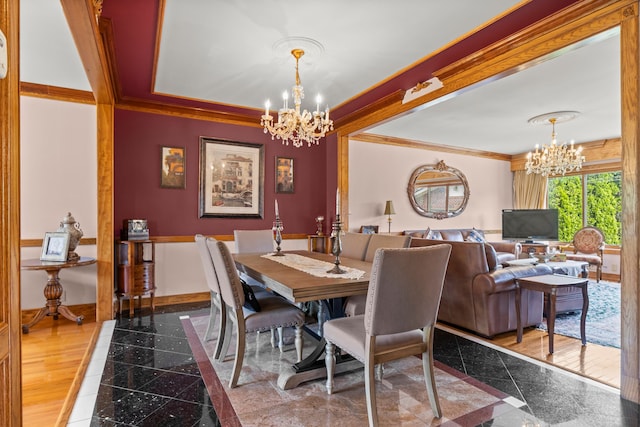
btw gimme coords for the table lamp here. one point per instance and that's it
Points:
(388, 210)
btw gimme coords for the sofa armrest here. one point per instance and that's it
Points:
(512, 247)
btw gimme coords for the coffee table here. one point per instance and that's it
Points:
(549, 285)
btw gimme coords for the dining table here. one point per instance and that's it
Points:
(303, 276)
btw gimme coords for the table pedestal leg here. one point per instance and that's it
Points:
(551, 317)
(52, 292)
(583, 315)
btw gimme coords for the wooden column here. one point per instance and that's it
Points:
(10, 337)
(630, 271)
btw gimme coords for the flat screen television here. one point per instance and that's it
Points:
(530, 224)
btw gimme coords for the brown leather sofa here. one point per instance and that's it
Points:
(479, 295)
(505, 251)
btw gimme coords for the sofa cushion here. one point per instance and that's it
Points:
(452, 235)
(492, 257)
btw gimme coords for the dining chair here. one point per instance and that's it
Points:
(354, 305)
(214, 290)
(588, 246)
(399, 318)
(354, 245)
(276, 312)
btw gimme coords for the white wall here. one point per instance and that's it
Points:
(57, 175)
(379, 172)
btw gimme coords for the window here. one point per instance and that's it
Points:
(588, 199)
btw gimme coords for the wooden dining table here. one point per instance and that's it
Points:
(298, 286)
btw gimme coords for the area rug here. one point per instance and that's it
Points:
(603, 316)
(402, 397)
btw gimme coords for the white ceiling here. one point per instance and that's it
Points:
(237, 53)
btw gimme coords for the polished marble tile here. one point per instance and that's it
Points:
(158, 372)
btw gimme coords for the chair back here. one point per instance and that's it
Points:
(405, 289)
(230, 286)
(253, 241)
(588, 240)
(354, 245)
(385, 241)
(207, 263)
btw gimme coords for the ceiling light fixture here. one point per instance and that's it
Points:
(294, 125)
(554, 159)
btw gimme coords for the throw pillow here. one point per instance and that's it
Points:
(475, 236)
(427, 233)
(250, 300)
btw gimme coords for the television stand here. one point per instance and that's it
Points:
(530, 247)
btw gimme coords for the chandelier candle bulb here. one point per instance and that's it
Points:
(277, 213)
(266, 107)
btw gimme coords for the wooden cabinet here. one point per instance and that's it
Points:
(534, 248)
(136, 272)
(317, 243)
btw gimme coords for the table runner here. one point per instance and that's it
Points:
(315, 267)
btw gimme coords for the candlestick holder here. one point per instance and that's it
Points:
(277, 235)
(336, 248)
(319, 226)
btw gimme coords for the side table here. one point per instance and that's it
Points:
(549, 284)
(53, 289)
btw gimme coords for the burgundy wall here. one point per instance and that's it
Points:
(174, 212)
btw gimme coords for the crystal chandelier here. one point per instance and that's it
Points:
(294, 125)
(554, 159)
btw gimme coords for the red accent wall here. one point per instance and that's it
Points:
(175, 212)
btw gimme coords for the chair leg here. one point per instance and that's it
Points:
(241, 338)
(273, 338)
(224, 336)
(212, 319)
(429, 377)
(330, 364)
(379, 371)
(370, 389)
(280, 340)
(298, 343)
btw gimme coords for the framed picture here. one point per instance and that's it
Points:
(369, 229)
(172, 166)
(55, 246)
(284, 175)
(231, 179)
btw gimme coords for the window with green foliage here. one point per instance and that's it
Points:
(588, 199)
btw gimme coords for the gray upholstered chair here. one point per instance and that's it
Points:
(588, 246)
(399, 319)
(354, 245)
(253, 241)
(275, 311)
(214, 289)
(354, 305)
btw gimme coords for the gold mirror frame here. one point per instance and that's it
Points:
(441, 180)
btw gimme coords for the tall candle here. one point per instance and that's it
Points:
(277, 213)
(338, 201)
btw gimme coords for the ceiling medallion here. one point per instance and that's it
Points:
(554, 159)
(299, 127)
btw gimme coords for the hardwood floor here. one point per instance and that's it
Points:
(55, 356)
(53, 353)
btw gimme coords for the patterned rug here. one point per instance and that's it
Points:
(603, 317)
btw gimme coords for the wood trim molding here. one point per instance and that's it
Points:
(408, 143)
(56, 93)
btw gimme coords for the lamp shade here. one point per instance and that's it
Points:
(388, 208)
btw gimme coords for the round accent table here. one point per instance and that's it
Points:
(53, 289)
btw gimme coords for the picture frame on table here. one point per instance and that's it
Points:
(369, 229)
(172, 167)
(284, 175)
(55, 246)
(231, 179)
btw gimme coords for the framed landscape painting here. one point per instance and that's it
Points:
(284, 175)
(231, 179)
(172, 167)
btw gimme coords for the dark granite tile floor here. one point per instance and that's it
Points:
(151, 378)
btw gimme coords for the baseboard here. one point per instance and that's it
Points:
(89, 310)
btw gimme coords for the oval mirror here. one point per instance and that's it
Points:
(438, 191)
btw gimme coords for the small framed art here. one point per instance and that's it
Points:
(369, 229)
(173, 168)
(284, 175)
(55, 246)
